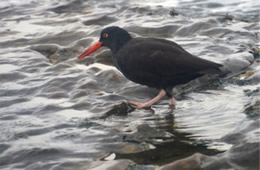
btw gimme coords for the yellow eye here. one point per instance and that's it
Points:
(105, 35)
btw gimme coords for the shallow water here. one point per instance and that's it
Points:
(52, 107)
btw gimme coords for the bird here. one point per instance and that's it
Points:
(157, 63)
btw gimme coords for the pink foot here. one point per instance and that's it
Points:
(172, 102)
(139, 105)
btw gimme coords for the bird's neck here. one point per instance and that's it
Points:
(119, 43)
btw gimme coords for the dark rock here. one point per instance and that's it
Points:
(228, 17)
(173, 12)
(190, 163)
(253, 108)
(127, 149)
(256, 52)
(55, 53)
(244, 156)
(118, 110)
(255, 92)
(240, 135)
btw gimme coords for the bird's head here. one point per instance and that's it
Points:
(112, 37)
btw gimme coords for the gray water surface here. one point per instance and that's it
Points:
(51, 105)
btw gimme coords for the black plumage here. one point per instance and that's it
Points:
(153, 62)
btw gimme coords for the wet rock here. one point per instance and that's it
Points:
(245, 78)
(244, 156)
(204, 82)
(127, 148)
(238, 62)
(250, 93)
(228, 17)
(145, 133)
(241, 135)
(253, 108)
(111, 78)
(246, 74)
(56, 53)
(173, 12)
(254, 78)
(190, 163)
(256, 52)
(45, 49)
(104, 57)
(118, 110)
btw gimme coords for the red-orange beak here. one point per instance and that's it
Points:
(90, 50)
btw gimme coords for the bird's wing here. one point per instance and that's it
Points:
(166, 58)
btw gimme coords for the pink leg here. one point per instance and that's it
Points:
(139, 105)
(172, 102)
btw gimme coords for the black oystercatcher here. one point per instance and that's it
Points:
(153, 62)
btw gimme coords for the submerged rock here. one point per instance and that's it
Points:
(145, 133)
(56, 53)
(252, 108)
(244, 156)
(190, 163)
